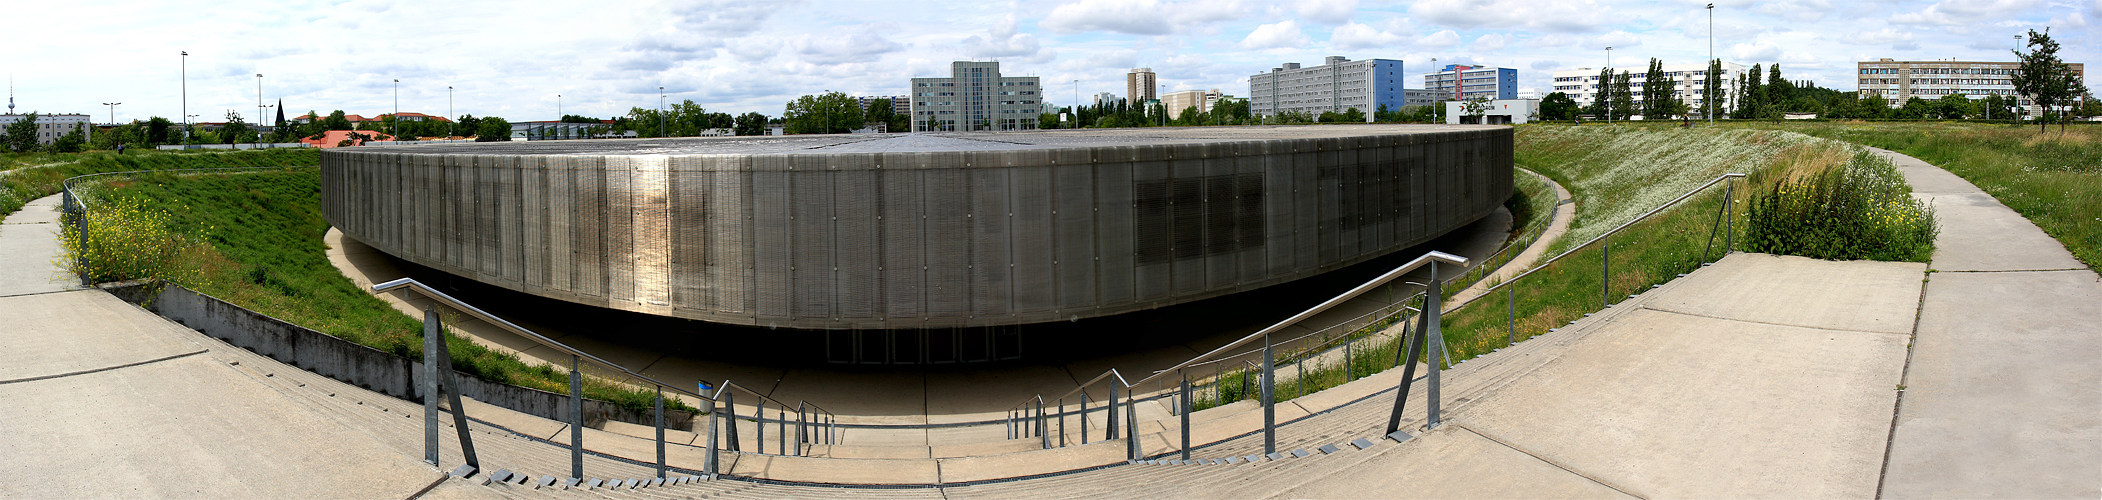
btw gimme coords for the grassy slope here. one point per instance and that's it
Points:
(2053, 179)
(21, 185)
(266, 229)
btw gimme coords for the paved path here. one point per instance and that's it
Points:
(106, 400)
(2004, 390)
(1565, 211)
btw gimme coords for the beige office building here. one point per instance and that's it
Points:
(1180, 100)
(1899, 81)
(51, 127)
(1139, 86)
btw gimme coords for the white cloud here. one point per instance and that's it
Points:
(1886, 35)
(859, 47)
(1492, 41)
(1561, 16)
(1439, 40)
(1279, 35)
(1762, 51)
(1356, 36)
(1327, 11)
(1002, 40)
(1138, 17)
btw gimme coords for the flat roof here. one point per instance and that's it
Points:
(932, 142)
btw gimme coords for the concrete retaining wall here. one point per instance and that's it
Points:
(359, 365)
(922, 230)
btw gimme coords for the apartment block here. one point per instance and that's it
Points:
(1338, 84)
(899, 104)
(1899, 81)
(1461, 82)
(975, 97)
(1688, 84)
(1177, 101)
(50, 127)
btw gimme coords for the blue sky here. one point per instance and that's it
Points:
(512, 59)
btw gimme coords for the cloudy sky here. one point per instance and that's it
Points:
(513, 58)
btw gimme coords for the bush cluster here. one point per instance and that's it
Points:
(1862, 210)
(126, 238)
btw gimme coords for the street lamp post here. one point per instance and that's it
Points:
(1606, 84)
(186, 99)
(259, 120)
(395, 128)
(1076, 103)
(112, 114)
(450, 118)
(1709, 90)
(662, 121)
(259, 101)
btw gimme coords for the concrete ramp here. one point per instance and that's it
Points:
(1761, 376)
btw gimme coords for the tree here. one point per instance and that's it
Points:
(827, 113)
(1474, 108)
(1558, 106)
(1749, 95)
(235, 130)
(21, 135)
(73, 142)
(579, 119)
(1623, 95)
(751, 124)
(1954, 107)
(1776, 94)
(2047, 81)
(1602, 101)
(492, 129)
(336, 121)
(1656, 90)
(1915, 109)
(1351, 115)
(1711, 90)
(880, 112)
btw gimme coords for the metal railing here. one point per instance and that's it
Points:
(1030, 419)
(813, 424)
(1121, 391)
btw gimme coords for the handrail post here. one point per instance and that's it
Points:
(781, 437)
(1348, 371)
(1131, 425)
(1729, 231)
(1061, 422)
(759, 422)
(659, 403)
(1511, 317)
(800, 429)
(1046, 438)
(730, 417)
(576, 417)
(1269, 399)
(1605, 274)
(714, 428)
(430, 386)
(1185, 416)
(1111, 433)
(1413, 347)
(1083, 416)
(1436, 333)
(1717, 226)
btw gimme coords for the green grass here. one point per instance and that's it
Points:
(1615, 173)
(264, 230)
(40, 174)
(2054, 179)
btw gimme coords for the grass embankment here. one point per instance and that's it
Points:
(1616, 173)
(263, 232)
(28, 176)
(2052, 178)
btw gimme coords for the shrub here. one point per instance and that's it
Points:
(1862, 210)
(127, 238)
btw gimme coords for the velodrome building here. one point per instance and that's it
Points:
(917, 231)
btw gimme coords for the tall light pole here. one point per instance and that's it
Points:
(259, 100)
(112, 114)
(450, 118)
(186, 99)
(662, 121)
(259, 130)
(1605, 84)
(1076, 103)
(394, 128)
(1714, 66)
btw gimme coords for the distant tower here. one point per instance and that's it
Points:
(1139, 86)
(10, 94)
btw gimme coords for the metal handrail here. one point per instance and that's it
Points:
(508, 326)
(1602, 236)
(1368, 286)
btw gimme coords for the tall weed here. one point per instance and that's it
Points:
(1862, 210)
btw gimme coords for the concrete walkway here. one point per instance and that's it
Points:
(2003, 395)
(106, 400)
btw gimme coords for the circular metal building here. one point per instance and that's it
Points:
(921, 230)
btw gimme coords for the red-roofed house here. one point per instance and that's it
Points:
(336, 138)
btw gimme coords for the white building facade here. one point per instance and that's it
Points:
(1689, 84)
(1338, 85)
(1898, 81)
(51, 127)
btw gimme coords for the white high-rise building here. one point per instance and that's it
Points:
(1689, 81)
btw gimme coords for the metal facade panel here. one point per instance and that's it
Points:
(1074, 199)
(948, 244)
(592, 224)
(1153, 217)
(1116, 269)
(689, 234)
(992, 246)
(858, 243)
(652, 263)
(1035, 246)
(533, 175)
(619, 236)
(812, 247)
(772, 256)
(731, 274)
(561, 231)
(1221, 266)
(904, 245)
